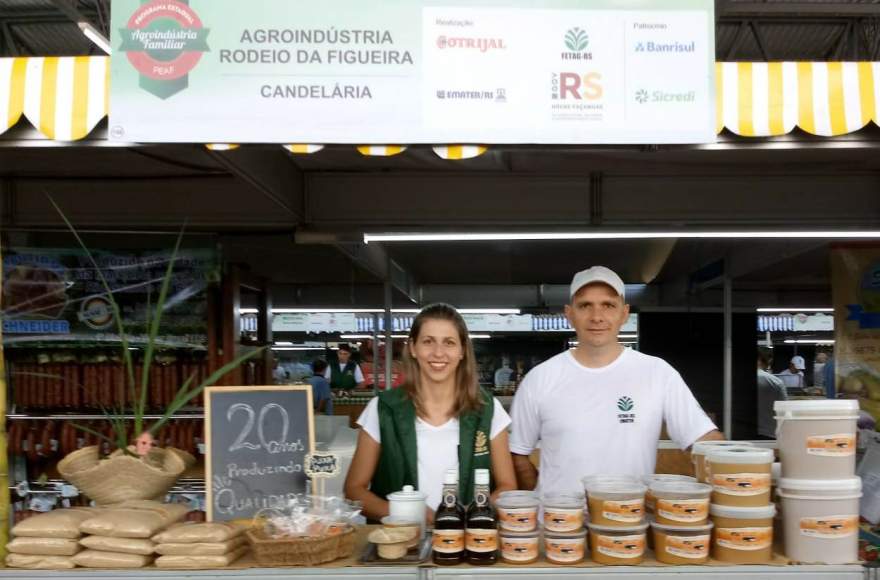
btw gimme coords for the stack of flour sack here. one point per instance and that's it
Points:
(127, 535)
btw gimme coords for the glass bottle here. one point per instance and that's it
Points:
(448, 538)
(481, 527)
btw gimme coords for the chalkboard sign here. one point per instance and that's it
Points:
(257, 442)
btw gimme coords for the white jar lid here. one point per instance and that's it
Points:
(703, 447)
(848, 484)
(563, 500)
(640, 528)
(818, 407)
(513, 500)
(631, 487)
(705, 528)
(682, 487)
(740, 455)
(742, 513)
(658, 477)
(408, 493)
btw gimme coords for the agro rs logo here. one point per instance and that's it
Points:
(626, 404)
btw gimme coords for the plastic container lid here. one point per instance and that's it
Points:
(848, 484)
(681, 487)
(743, 513)
(846, 408)
(703, 447)
(511, 500)
(665, 528)
(399, 521)
(408, 493)
(658, 477)
(563, 500)
(593, 479)
(618, 487)
(618, 531)
(741, 455)
(508, 534)
(572, 535)
(518, 493)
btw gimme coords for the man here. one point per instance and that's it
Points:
(599, 408)
(795, 370)
(770, 389)
(345, 375)
(322, 399)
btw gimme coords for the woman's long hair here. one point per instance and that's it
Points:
(467, 390)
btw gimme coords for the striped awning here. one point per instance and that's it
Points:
(65, 97)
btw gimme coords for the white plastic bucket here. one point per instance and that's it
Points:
(817, 439)
(821, 519)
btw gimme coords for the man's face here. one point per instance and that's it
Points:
(343, 355)
(596, 313)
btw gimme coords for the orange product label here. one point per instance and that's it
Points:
(744, 538)
(742, 484)
(563, 520)
(830, 526)
(518, 519)
(693, 547)
(448, 541)
(624, 511)
(565, 549)
(519, 549)
(838, 445)
(683, 510)
(621, 546)
(479, 540)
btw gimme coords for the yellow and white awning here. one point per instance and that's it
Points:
(62, 97)
(65, 97)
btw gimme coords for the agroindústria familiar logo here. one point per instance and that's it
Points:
(164, 40)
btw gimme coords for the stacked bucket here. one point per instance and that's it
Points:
(819, 492)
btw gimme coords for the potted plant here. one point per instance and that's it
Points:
(137, 469)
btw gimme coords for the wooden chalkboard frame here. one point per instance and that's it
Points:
(209, 391)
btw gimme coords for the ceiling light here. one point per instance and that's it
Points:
(96, 37)
(473, 336)
(283, 343)
(809, 341)
(378, 310)
(795, 310)
(297, 348)
(606, 235)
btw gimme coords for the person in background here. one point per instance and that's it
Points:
(346, 374)
(828, 371)
(819, 370)
(503, 375)
(598, 408)
(322, 399)
(279, 375)
(795, 368)
(770, 389)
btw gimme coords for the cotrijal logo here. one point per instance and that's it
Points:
(164, 40)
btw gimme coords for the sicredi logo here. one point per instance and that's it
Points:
(667, 47)
(642, 96)
(164, 40)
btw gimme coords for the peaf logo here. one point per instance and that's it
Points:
(164, 40)
(576, 41)
(626, 404)
(569, 85)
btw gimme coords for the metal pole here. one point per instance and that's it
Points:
(728, 357)
(375, 353)
(389, 346)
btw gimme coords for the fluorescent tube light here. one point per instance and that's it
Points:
(297, 348)
(808, 341)
(473, 336)
(96, 37)
(795, 310)
(379, 310)
(603, 235)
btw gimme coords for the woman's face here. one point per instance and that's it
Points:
(438, 350)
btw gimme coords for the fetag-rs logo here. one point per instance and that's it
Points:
(626, 404)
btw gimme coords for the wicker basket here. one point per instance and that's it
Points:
(121, 477)
(302, 551)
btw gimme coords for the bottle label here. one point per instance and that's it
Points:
(481, 540)
(450, 499)
(691, 547)
(830, 527)
(518, 519)
(448, 541)
(747, 539)
(563, 520)
(741, 484)
(838, 445)
(683, 510)
(519, 549)
(565, 549)
(621, 546)
(630, 512)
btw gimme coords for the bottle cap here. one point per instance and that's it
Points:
(451, 477)
(481, 476)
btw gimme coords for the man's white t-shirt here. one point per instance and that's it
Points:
(437, 446)
(601, 421)
(358, 374)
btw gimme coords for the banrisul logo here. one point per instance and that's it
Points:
(625, 405)
(164, 40)
(576, 41)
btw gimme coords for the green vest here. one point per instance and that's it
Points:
(344, 378)
(398, 461)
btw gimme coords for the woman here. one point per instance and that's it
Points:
(439, 419)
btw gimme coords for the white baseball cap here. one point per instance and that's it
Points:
(597, 274)
(798, 362)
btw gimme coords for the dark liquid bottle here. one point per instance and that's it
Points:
(481, 527)
(448, 538)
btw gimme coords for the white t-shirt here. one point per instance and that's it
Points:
(437, 446)
(358, 374)
(602, 421)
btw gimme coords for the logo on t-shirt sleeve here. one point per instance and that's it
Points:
(626, 405)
